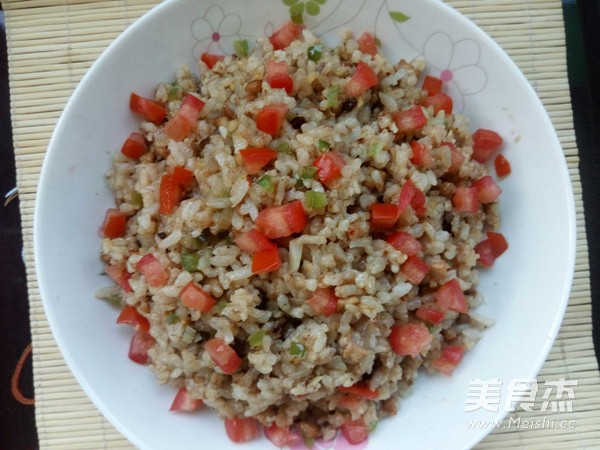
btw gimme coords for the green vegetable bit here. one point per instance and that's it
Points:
(285, 148)
(188, 335)
(256, 338)
(267, 183)
(315, 200)
(375, 149)
(221, 305)
(373, 426)
(308, 441)
(298, 350)
(241, 47)
(308, 173)
(333, 96)
(136, 199)
(189, 261)
(315, 52)
(175, 93)
(172, 318)
(323, 145)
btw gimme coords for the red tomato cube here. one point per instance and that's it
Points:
(115, 224)
(361, 389)
(278, 76)
(451, 356)
(119, 275)
(170, 194)
(485, 143)
(255, 158)
(324, 302)
(141, 342)
(355, 431)
(130, 316)
(450, 296)
(410, 339)
(254, 241)
(432, 85)
(194, 297)
(223, 355)
(502, 166)
(151, 110)
(465, 199)
(265, 261)
(404, 242)
(281, 437)
(155, 273)
(420, 155)
(184, 402)
(184, 121)
(329, 167)
(211, 60)
(364, 78)
(270, 118)
(281, 221)
(384, 215)
(439, 102)
(430, 314)
(410, 120)
(287, 34)
(414, 269)
(135, 146)
(487, 189)
(366, 44)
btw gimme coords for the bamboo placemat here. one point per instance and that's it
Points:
(51, 45)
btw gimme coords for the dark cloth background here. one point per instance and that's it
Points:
(17, 422)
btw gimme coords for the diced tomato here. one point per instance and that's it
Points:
(404, 242)
(420, 155)
(130, 316)
(457, 158)
(450, 296)
(351, 402)
(270, 118)
(439, 102)
(487, 189)
(151, 110)
(465, 199)
(502, 166)
(355, 431)
(141, 342)
(485, 143)
(281, 437)
(384, 215)
(119, 275)
(210, 60)
(410, 120)
(223, 355)
(324, 301)
(361, 389)
(430, 314)
(409, 338)
(153, 270)
(115, 223)
(241, 429)
(432, 85)
(406, 195)
(278, 76)
(134, 146)
(491, 248)
(266, 261)
(184, 121)
(286, 35)
(364, 78)
(366, 43)
(184, 402)
(170, 194)
(281, 221)
(414, 269)
(451, 356)
(254, 241)
(255, 158)
(418, 203)
(182, 176)
(329, 167)
(194, 297)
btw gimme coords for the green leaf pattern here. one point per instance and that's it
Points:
(399, 16)
(299, 7)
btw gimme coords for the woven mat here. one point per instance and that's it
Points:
(51, 45)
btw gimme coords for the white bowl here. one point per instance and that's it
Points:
(526, 291)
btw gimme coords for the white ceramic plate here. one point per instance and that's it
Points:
(526, 291)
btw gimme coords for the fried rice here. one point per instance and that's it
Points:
(300, 367)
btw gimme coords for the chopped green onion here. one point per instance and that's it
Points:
(241, 47)
(333, 96)
(297, 349)
(375, 149)
(266, 182)
(308, 173)
(373, 426)
(188, 335)
(323, 145)
(189, 261)
(175, 93)
(315, 52)
(285, 148)
(114, 299)
(256, 338)
(221, 305)
(172, 318)
(315, 200)
(308, 441)
(136, 199)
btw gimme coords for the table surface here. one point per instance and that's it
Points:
(17, 421)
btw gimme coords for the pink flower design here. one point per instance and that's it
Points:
(215, 32)
(457, 65)
(338, 443)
